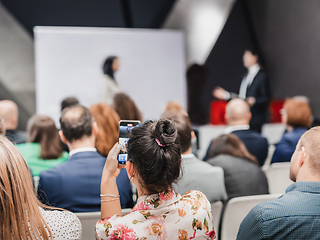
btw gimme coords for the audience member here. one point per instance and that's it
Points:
(10, 113)
(160, 213)
(242, 174)
(126, 108)
(69, 102)
(238, 117)
(296, 214)
(75, 184)
(298, 118)
(2, 127)
(196, 174)
(110, 86)
(22, 215)
(108, 127)
(173, 105)
(43, 149)
(315, 120)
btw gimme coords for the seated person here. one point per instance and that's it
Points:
(22, 215)
(196, 174)
(242, 173)
(298, 118)
(43, 149)
(75, 184)
(126, 108)
(160, 213)
(238, 117)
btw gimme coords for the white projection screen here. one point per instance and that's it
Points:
(69, 62)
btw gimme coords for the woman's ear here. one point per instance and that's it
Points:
(130, 170)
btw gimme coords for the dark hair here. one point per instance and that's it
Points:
(68, 102)
(76, 122)
(158, 167)
(230, 144)
(253, 50)
(108, 124)
(107, 66)
(125, 107)
(183, 125)
(42, 130)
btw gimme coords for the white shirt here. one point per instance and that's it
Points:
(84, 149)
(247, 80)
(230, 129)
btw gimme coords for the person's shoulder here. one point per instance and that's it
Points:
(205, 166)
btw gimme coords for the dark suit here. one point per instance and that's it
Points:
(254, 142)
(16, 137)
(75, 184)
(260, 90)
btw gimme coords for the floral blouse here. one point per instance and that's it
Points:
(166, 215)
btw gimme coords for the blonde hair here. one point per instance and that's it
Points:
(21, 217)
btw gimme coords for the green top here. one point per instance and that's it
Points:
(31, 153)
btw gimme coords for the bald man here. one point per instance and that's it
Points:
(238, 117)
(9, 113)
(296, 214)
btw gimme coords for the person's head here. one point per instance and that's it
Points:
(305, 161)
(68, 102)
(125, 107)
(305, 99)
(237, 112)
(296, 113)
(2, 127)
(9, 112)
(42, 130)
(250, 57)
(154, 154)
(76, 124)
(19, 207)
(230, 144)
(111, 65)
(173, 105)
(183, 125)
(108, 125)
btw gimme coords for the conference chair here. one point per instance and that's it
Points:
(216, 209)
(36, 183)
(278, 177)
(236, 210)
(267, 162)
(89, 220)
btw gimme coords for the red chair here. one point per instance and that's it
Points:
(217, 111)
(275, 107)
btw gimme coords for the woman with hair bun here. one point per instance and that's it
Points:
(154, 155)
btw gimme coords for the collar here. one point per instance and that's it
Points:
(156, 201)
(84, 149)
(190, 155)
(254, 69)
(304, 186)
(231, 129)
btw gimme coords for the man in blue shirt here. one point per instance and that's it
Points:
(296, 214)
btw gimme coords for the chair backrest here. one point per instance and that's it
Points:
(89, 220)
(216, 209)
(278, 177)
(236, 210)
(36, 183)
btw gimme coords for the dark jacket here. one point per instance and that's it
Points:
(75, 184)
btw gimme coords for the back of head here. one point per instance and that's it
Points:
(42, 130)
(9, 112)
(2, 127)
(238, 111)
(107, 121)
(68, 102)
(126, 108)
(183, 125)
(154, 150)
(297, 113)
(230, 144)
(19, 208)
(76, 123)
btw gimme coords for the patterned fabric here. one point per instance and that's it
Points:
(167, 215)
(295, 215)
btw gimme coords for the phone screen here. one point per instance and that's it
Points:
(124, 135)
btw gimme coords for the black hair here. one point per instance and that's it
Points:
(76, 122)
(158, 165)
(107, 66)
(68, 102)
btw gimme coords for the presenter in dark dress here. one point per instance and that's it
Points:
(254, 89)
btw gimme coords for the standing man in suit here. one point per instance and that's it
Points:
(254, 89)
(75, 184)
(238, 117)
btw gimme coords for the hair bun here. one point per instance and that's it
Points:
(165, 131)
